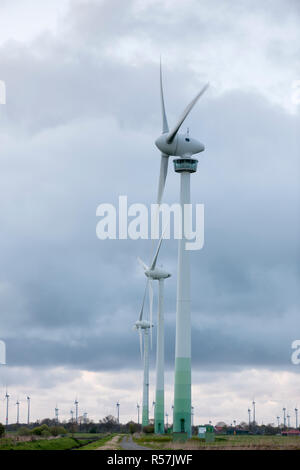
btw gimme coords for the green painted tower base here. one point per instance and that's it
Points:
(159, 424)
(145, 417)
(182, 396)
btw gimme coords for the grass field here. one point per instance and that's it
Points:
(86, 435)
(156, 442)
(222, 443)
(83, 441)
(98, 443)
(62, 443)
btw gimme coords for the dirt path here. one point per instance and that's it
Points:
(110, 445)
(128, 444)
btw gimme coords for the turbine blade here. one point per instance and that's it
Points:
(145, 267)
(185, 113)
(162, 176)
(142, 309)
(153, 264)
(151, 308)
(165, 127)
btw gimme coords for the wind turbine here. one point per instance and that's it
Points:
(18, 411)
(158, 274)
(143, 326)
(253, 403)
(278, 421)
(7, 401)
(76, 410)
(56, 414)
(172, 143)
(118, 412)
(28, 410)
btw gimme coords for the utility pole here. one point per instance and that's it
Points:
(167, 421)
(249, 414)
(288, 421)
(138, 410)
(72, 416)
(296, 414)
(253, 403)
(28, 410)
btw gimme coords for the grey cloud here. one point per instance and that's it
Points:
(79, 129)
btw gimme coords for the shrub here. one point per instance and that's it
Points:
(133, 427)
(23, 431)
(38, 431)
(2, 430)
(148, 429)
(58, 430)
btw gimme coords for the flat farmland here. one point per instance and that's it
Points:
(222, 443)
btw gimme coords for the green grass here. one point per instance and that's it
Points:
(153, 441)
(62, 443)
(83, 435)
(98, 443)
(152, 438)
(222, 442)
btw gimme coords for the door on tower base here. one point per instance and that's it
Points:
(182, 425)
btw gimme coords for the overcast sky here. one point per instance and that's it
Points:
(77, 130)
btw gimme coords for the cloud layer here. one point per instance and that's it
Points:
(78, 128)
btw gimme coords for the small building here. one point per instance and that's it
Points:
(291, 432)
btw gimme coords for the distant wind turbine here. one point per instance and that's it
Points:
(76, 410)
(56, 414)
(28, 410)
(18, 411)
(143, 326)
(7, 401)
(152, 272)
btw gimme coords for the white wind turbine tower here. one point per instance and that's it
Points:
(171, 143)
(56, 414)
(158, 274)
(7, 401)
(18, 411)
(144, 326)
(28, 410)
(76, 410)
